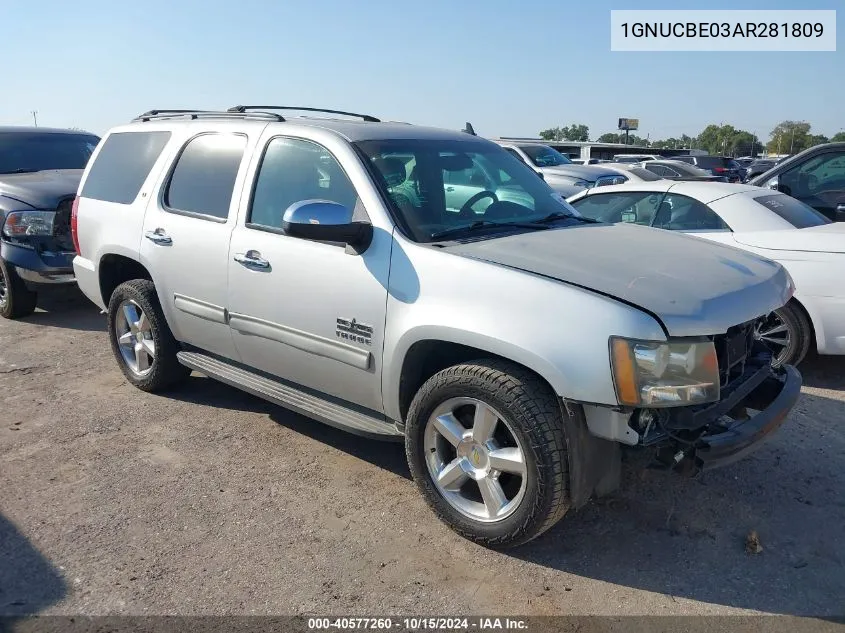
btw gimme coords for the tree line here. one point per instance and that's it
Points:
(787, 137)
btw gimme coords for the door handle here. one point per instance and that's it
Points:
(450, 189)
(159, 237)
(252, 259)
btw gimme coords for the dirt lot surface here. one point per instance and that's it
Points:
(210, 501)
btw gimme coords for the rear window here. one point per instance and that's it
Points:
(122, 165)
(644, 174)
(709, 162)
(798, 214)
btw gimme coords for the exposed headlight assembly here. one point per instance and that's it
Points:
(664, 374)
(24, 223)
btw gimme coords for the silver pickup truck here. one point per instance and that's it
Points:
(332, 266)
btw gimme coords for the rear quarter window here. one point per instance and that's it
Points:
(123, 164)
(798, 214)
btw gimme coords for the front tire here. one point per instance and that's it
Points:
(16, 300)
(141, 339)
(486, 447)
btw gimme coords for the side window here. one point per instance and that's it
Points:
(293, 170)
(660, 170)
(203, 179)
(122, 166)
(635, 207)
(680, 213)
(818, 175)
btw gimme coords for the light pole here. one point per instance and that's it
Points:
(34, 117)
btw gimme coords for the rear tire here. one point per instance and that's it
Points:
(16, 300)
(499, 492)
(141, 339)
(787, 333)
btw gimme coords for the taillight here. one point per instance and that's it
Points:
(74, 234)
(719, 170)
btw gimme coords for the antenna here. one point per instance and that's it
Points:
(469, 129)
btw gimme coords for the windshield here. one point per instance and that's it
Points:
(545, 156)
(22, 152)
(450, 185)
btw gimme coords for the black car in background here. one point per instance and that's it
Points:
(759, 166)
(716, 165)
(679, 170)
(816, 177)
(40, 169)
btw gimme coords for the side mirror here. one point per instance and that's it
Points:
(325, 221)
(773, 183)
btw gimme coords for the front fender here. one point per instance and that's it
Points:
(559, 331)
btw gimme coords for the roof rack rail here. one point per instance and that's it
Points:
(365, 117)
(195, 114)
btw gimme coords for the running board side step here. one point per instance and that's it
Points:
(292, 397)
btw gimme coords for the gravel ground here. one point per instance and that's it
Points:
(210, 501)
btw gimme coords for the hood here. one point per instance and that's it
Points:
(825, 238)
(586, 172)
(41, 189)
(693, 286)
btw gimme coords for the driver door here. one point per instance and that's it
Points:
(819, 183)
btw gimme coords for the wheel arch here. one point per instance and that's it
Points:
(113, 269)
(426, 355)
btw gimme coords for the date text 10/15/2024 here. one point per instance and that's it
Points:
(418, 624)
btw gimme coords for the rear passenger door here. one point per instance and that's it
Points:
(187, 227)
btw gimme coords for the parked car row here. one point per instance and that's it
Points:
(433, 287)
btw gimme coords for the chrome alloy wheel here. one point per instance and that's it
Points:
(4, 290)
(475, 459)
(135, 338)
(774, 333)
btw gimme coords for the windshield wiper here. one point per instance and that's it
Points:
(484, 224)
(21, 170)
(559, 215)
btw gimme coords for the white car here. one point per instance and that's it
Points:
(766, 222)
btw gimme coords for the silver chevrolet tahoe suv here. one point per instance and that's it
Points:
(337, 267)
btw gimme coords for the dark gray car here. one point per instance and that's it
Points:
(559, 171)
(40, 169)
(816, 177)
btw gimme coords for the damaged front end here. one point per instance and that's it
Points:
(754, 401)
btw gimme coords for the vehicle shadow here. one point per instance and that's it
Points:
(387, 455)
(688, 537)
(28, 581)
(66, 307)
(823, 372)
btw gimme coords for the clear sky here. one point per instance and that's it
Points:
(511, 67)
